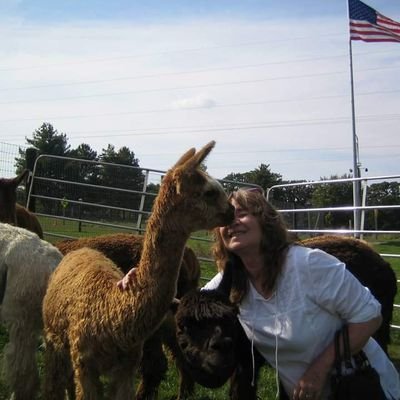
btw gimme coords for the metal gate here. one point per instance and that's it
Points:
(76, 197)
(309, 228)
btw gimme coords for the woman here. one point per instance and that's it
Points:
(293, 299)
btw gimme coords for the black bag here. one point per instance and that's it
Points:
(353, 377)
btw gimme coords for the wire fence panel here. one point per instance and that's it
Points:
(76, 198)
(84, 192)
(8, 153)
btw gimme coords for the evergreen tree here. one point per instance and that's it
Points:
(261, 176)
(84, 151)
(86, 172)
(334, 195)
(384, 194)
(121, 177)
(46, 140)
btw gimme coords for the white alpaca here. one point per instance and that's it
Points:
(26, 263)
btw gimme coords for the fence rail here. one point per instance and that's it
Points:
(363, 208)
(68, 201)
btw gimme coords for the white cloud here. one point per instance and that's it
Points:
(199, 101)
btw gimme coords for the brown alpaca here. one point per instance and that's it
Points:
(124, 249)
(93, 327)
(13, 213)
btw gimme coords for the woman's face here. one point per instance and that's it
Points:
(244, 235)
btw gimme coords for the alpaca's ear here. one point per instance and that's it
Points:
(204, 152)
(188, 164)
(187, 156)
(17, 180)
(191, 159)
(200, 156)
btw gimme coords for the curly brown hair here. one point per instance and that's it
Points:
(275, 241)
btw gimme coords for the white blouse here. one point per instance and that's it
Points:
(314, 295)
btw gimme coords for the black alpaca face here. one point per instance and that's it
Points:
(209, 349)
(207, 340)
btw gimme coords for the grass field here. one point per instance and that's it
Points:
(169, 386)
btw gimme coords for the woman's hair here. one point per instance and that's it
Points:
(274, 243)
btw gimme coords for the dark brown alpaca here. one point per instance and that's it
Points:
(369, 268)
(13, 213)
(95, 329)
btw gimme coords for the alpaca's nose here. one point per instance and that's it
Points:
(229, 215)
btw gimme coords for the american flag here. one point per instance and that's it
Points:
(369, 25)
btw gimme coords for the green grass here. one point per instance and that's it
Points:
(75, 229)
(169, 387)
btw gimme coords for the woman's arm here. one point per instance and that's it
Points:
(213, 283)
(312, 382)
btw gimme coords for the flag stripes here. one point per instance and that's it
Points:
(370, 26)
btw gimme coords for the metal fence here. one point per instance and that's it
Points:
(317, 212)
(8, 153)
(314, 216)
(71, 203)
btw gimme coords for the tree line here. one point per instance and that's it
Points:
(47, 140)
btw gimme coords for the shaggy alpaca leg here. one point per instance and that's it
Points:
(186, 382)
(57, 371)
(20, 362)
(122, 381)
(86, 379)
(153, 367)
(125, 389)
(71, 388)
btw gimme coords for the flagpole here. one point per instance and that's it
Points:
(368, 25)
(356, 164)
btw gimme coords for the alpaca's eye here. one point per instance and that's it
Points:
(182, 328)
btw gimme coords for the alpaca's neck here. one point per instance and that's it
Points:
(161, 257)
(157, 273)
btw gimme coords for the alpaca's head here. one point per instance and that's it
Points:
(200, 201)
(207, 334)
(8, 198)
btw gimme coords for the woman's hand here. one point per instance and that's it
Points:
(127, 280)
(311, 384)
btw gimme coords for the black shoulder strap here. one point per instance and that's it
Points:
(346, 347)
(338, 358)
(359, 358)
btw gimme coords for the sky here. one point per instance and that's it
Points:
(269, 81)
